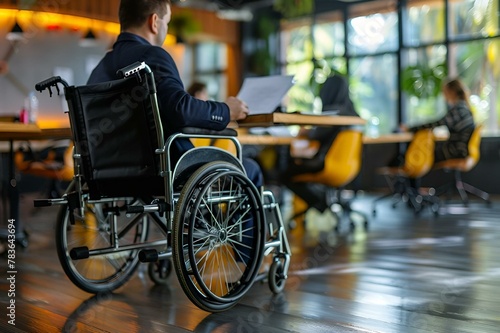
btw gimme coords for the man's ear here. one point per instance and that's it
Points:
(152, 23)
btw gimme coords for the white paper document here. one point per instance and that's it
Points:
(264, 94)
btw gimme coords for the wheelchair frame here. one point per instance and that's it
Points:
(217, 229)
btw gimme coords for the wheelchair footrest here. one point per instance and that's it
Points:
(42, 202)
(159, 207)
(79, 253)
(49, 202)
(135, 209)
(148, 255)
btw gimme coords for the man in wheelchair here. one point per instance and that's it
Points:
(144, 26)
(212, 218)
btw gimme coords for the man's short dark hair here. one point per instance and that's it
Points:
(133, 13)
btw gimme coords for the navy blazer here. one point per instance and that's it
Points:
(177, 108)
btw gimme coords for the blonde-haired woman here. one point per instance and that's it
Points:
(458, 119)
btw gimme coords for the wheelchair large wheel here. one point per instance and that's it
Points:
(105, 272)
(218, 236)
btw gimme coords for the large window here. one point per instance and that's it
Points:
(423, 70)
(473, 18)
(476, 62)
(372, 49)
(373, 86)
(374, 33)
(297, 53)
(424, 23)
(469, 55)
(329, 37)
(396, 60)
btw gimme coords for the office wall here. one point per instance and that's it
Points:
(39, 57)
(51, 53)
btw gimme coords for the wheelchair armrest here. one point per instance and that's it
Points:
(204, 131)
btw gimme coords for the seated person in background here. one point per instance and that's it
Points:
(198, 90)
(144, 26)
(335, 96)
(458, 119)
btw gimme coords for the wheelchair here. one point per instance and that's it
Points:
(130, 201)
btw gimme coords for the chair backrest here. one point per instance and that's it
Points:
(116, 136)
(342, 161)
(419, 156)
(474, 147)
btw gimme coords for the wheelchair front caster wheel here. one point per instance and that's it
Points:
(159, 271)
(277, 278)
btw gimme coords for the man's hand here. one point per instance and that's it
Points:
(238, 110)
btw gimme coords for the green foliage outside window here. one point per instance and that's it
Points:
(423, 81)
(294, 8)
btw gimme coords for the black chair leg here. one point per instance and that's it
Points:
(477, 192)
(462, 188)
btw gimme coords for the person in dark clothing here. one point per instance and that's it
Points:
(335, 97)
(144, 26)
(458, 119)
(198, 90)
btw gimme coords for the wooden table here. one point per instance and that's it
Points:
(20, 131)
(283, 118)
(255, 139)
(403, 137)
(265, 140)
(15, 131)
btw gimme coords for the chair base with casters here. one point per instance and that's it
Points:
(401, 190)
(401, 180)
(459, 166)
(129, 202)
(339, 206)
(462, 188)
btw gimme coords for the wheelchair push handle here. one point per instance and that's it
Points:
(138, 68)
(50, 82)
(132, 69)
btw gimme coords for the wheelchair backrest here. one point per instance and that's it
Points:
(115, 135)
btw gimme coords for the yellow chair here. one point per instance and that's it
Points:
(461, 165)
(224, 144)
(419, 159)
(342, 165)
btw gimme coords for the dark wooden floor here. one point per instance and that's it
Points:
(406, 274)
